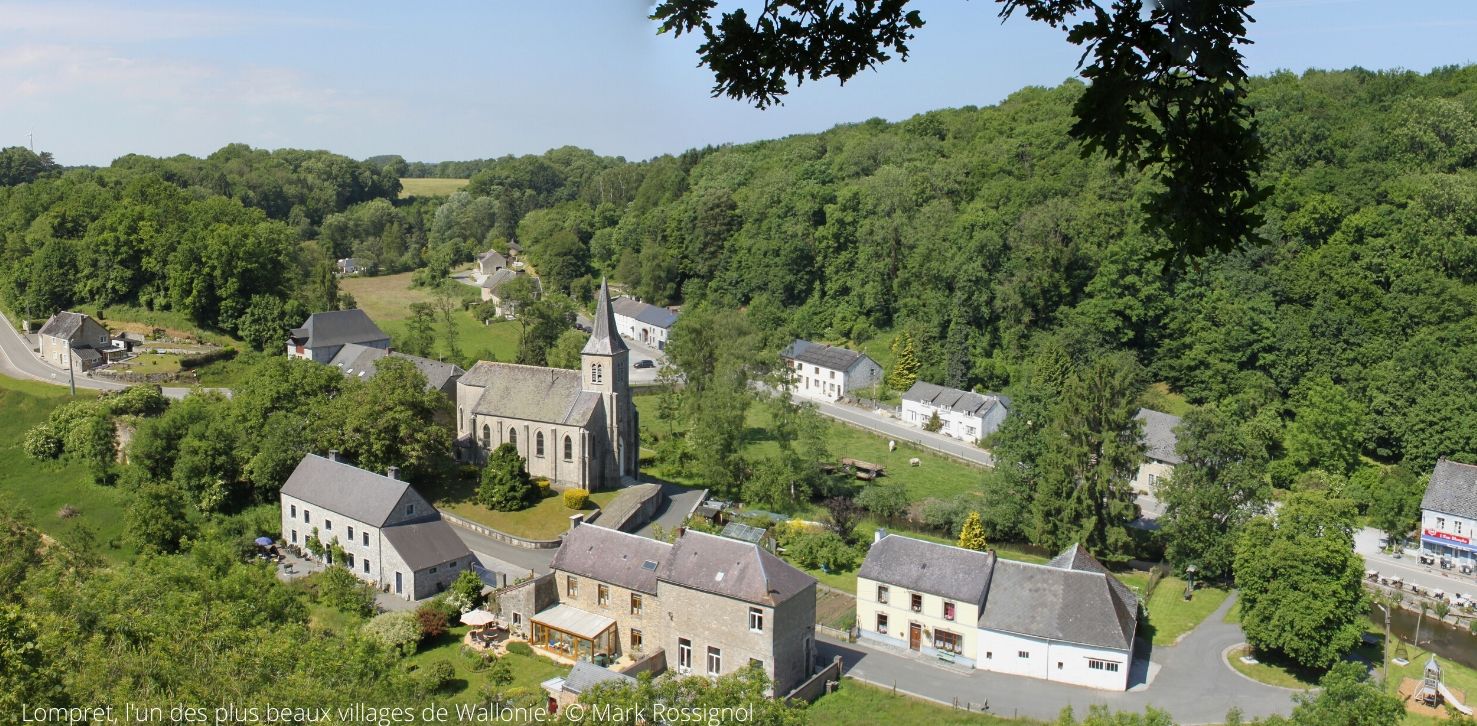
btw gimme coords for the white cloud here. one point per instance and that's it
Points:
(70, 21)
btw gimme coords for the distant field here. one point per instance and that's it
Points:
(430, 187)
(44, 487)
(388, 298)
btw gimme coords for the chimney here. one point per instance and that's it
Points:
(393, 472)
(878, 535)
(576, 520)
(333, 455)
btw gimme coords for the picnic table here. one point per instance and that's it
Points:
(863, 469)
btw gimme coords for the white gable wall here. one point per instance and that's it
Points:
(652, 335)
(1052, 660)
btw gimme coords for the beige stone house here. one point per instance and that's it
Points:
(575, 428)
(1160, 456)
(711, 605)
(72, 339)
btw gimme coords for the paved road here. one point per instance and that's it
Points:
(680, 501)
(1193, 683)
(19, 360)
(1408, 567)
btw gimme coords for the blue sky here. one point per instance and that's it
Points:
(461, 80)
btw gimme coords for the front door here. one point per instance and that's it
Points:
(915, 635)
(397, 583)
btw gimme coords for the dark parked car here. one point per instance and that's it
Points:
(644, 363)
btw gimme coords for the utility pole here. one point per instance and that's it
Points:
(71, 371)
(1385, 665)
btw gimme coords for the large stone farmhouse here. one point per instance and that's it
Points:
(391, 536)
(712, 605)
(1068, 620)
(323, 335)
(1160, 456)
(962, 414)
(575, 428)
(72, 339)
(827, 372)
(1449, 514)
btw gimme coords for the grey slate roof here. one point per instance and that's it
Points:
(338, 327)
(953, 573)
(63, 325)
(345, 489)
(427, 544)
(649, 314)
(1074, 606)
(825, 356)
(603, 338)
(586, 675)
(608, 555)
(1159, 436)
(359, 362)
(1453, 489)
(496, 280)
(492, 257)
(530, 393)
(954, 399)
(733, 569)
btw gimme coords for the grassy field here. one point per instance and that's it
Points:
(388, 298)
(429, 187)
(148, 363)
(936, 476)
(229, 373)
(132, 318)
(44, 487)
(855, 702)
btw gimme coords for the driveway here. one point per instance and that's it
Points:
(895, 429)
(677, 503)
(1192, 681)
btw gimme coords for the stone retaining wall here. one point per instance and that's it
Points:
(504, 537)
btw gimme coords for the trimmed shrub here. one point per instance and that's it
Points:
(398, 631)
(432, 620)
(576, 498)
(437, 676)
(519, 647)
(200, 359)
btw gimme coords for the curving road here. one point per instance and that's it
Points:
(1191, 680)
(19, 360)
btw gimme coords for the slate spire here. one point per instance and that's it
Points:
(604, 340)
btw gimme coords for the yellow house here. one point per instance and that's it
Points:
(923, 596)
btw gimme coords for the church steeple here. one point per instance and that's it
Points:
(604, 339)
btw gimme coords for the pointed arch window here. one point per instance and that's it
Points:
(597, 373)
(486, 435)
(538, 444)
(513, 436)
(568, 448)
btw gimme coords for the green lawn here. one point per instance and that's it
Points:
(44, 487)
(429, 187)
(1457, 677)
(229, 373)
(528, 671)
(387, 299)
(855, 702)
(936, 476)
(1170, 616)
(149, 363)
(546, 520)
(1160, 398)
(1274, 671)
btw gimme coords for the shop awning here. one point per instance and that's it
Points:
(572, 620)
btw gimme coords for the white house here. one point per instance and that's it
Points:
(323, 335)
(962, 414)
(390, 535)
(1068, 620)
(827, 372)
(1449, 513)
(639, 321)
(1160, 456)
